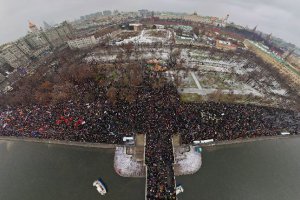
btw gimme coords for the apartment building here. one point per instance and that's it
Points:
(82, 42)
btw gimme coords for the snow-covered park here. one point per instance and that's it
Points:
(201, 72)
(147, 38)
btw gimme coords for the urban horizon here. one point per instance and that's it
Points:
(255, 21)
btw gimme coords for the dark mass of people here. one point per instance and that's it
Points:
(159, 128)
(160, 172)
(158, 113)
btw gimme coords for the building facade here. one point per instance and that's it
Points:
(5, 68)
(225, 45)
(24, 47)
(107, 13)
(58, 35)
(84, 42)
(14, 56)
(35, 41)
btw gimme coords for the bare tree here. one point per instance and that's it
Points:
(111, 94)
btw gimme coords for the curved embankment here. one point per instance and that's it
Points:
(126, 166)
(239, 141)
(187, 162)
(113, 146)
(69, 143)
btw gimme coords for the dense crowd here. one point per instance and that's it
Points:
(159, 126)
(101, 122)
(159, 114)
(221, 121)
(160, 172)
(71, 121)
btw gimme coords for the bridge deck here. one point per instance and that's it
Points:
(160, 181)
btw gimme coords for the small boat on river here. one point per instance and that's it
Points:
(100, 187)
(179, 189)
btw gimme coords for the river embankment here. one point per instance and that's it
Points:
(113, 146)
(61, 142)
(248, 140)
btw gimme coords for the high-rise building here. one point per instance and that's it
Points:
(2, 78)
(58, 35)
(116, 12)
(5, 68)
(33, 28)
(35, 41)
(2, 61)
(82, 42)
(254, 29)
(14, 56)
(46, 25)
(107, 13)
(144, 13)
(24, 47)
(269, 37)
(53, 37)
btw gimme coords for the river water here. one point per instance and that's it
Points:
(34, 171)
(263, 170)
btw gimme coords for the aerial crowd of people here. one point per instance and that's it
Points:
(159, 161)
(159, 114)
(155, 110)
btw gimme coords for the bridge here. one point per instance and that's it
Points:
(159, 162)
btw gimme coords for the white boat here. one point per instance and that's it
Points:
(179, 189)
(100, 187)
(285, 133)
(206, 141)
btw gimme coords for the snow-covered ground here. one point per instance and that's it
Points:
(210, 91)
(100, 58)
(196, 80)
(207, 68)
(188, 162)
(162, 55)
(279, 91)
(230, 75)
(125, 165)
(145, 38)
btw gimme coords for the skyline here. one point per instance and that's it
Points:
(267, 16)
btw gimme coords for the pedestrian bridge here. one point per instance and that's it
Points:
(129, 160)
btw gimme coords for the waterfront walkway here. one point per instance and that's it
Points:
(160, 180)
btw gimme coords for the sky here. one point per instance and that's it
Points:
(280, 17)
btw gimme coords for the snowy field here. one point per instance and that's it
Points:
(188, 162)
(141, 54)
(146, 38)
(230, 75)
(201, 72)
(125, 165)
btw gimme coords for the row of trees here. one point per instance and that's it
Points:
(74, 79)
